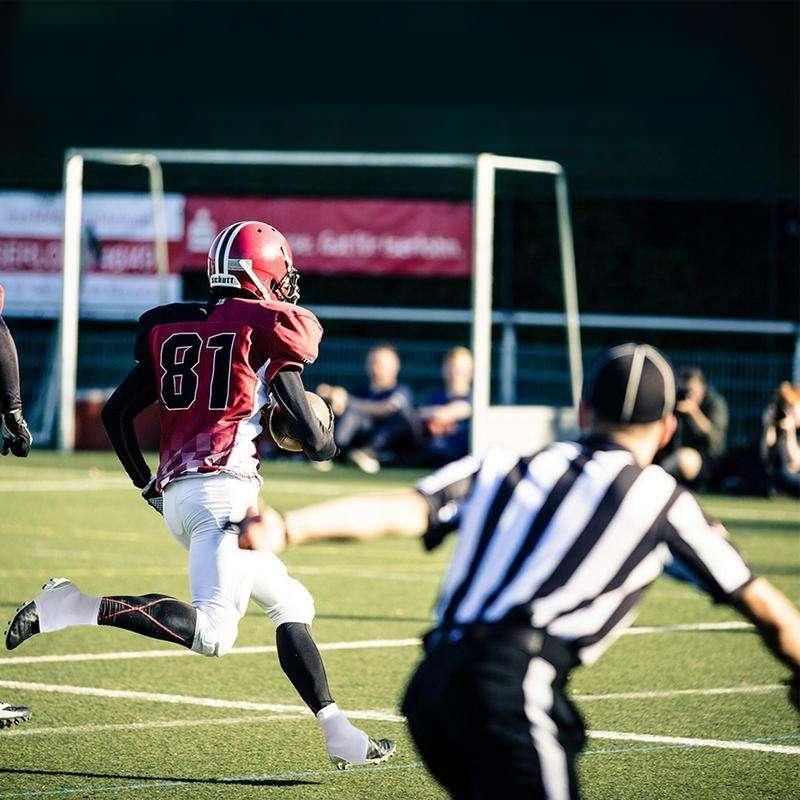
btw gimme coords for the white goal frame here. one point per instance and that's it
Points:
(484, 167)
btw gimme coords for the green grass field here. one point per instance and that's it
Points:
(233, 728)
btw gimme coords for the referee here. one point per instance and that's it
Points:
(554, 553)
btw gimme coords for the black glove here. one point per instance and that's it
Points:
(16, 435)
(153, 497)
(794, 690)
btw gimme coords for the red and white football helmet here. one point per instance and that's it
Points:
(255, 257)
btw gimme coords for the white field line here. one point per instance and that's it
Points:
(383, 716)
(366, 644)
(189, 700)
(682, 741)
(291, 709)
(382, 575)
(300, 486)
(762, 514)
(65, 730)
(654, 695)
(107, 572)
(687, 627)
(171, 571)
(65, 485)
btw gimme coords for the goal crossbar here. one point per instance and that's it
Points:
(484, 167)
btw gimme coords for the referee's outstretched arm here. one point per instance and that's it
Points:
(778, 622)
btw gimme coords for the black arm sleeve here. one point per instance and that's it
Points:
(318, 444)
(9, 372)
(132, 396)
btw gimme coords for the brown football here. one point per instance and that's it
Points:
(279, 422)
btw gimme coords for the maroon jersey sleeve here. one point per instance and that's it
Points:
(294, 342)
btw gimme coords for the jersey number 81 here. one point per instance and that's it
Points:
(180, 355)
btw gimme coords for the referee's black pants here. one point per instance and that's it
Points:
(491, 720)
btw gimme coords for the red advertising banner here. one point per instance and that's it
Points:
(375, 237)
(117, 232)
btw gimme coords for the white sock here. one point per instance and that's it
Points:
(66, 605)
(342, 738)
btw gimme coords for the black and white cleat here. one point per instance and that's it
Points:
(26, 621)
(13, 715)
(378, 750)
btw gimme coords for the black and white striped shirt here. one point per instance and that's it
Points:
(569, 539)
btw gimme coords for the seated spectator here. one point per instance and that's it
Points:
(445, 415)
(702, 430)
(376, 422)
(780, 450)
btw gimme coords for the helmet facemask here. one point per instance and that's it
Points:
(288, 288)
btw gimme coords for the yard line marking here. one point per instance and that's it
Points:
(365, 714)
(76, 485)
(761, 515)
(366, 644)
(140, 726)
(120, 482)
(435, 577)
(108, 572)
(190, 700)
(721, 744)
(771, 687)
(691, 626)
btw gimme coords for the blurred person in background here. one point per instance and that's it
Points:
(699, 441)
(16, 439)
(446, 414)
(376, 423)
(780, 450)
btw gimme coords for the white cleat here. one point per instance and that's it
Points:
(378, 750)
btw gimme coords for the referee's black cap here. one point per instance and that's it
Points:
(631, 384)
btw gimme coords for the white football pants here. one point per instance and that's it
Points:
(222, 578)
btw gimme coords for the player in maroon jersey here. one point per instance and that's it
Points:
(211, 367)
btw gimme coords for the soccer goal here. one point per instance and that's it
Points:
(522, 427)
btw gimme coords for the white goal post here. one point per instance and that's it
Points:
(484, 167)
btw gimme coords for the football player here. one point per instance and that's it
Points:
(15, 438)
(211, 367)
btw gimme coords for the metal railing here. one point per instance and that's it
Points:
(521, 372)
(510, 321)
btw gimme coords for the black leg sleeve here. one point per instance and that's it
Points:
(154, 615)
(302, 663)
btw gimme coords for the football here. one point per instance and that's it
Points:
(280, 422)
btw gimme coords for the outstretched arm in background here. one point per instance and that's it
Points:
(361, 517)
(778, 623)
